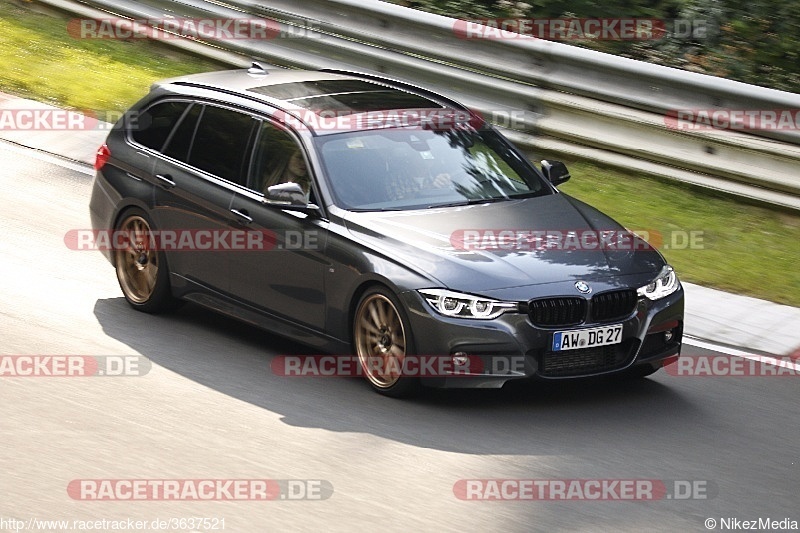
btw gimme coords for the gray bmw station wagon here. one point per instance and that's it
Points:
(378, 221)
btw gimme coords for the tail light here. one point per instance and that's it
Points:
(101, 157)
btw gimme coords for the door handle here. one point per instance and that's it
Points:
(243, 216)
(165, 181)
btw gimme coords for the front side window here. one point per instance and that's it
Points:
(278, 159)
(413, 168)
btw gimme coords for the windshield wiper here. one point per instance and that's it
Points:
(473, 201)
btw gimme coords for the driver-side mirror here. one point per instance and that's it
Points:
(555, 171)
(288, 196)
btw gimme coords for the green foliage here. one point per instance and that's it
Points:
(43, 61)
(753, 253)
(754, 42)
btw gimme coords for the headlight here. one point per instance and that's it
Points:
(456, 304)
(665, 284)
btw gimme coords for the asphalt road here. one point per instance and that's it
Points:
(211, 408)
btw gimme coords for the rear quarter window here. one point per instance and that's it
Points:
(181, 141)
(154, 125)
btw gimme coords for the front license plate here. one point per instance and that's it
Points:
(587, 338)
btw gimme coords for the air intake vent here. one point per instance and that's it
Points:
(613, 305)
(550, 312)
(587, 361)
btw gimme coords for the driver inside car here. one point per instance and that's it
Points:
(412, 176)
(289, 169)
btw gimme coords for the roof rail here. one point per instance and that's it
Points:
(400, 84)
(243, 94)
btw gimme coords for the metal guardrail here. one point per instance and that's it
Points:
(566, 99)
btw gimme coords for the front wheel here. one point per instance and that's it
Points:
(382, 338)
(141, 268)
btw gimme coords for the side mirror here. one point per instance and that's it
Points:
(555, 171)
(288, 196)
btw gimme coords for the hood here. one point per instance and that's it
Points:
(485, 247)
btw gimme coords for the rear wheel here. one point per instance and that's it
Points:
(141, 268)
(382, 339)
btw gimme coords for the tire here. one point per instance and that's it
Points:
(142, 272)
(381, 340)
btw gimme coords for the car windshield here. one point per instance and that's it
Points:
(414, 168)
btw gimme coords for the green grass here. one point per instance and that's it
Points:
(42, 61)
(746, 249)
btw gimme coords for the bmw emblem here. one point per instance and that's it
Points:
(583, 287)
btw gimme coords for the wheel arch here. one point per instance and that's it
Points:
(355, 297)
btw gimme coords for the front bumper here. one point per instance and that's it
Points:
(511, 347)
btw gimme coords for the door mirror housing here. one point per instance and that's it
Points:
(288, 196)
(555, 171)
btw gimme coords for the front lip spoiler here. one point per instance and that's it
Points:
(666, 353)
(496, 380)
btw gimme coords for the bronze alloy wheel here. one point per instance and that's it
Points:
(137, 263)
(380, 340)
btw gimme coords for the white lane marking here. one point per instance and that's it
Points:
(785, 361)
(46, 157)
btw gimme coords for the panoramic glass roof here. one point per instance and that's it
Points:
(347, 96)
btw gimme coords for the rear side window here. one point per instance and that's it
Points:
(221, 143)
(153, 125)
